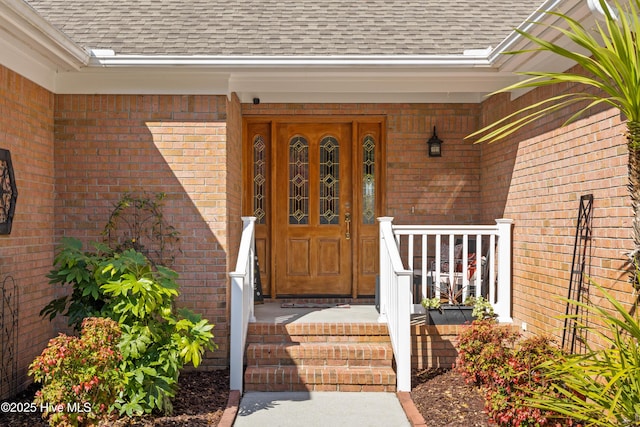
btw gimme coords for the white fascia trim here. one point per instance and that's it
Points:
(540, 23)
(99, 58)
(514, 40)
(34, 32)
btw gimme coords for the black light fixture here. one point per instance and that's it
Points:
(435, 145)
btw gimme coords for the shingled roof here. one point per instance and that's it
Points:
(285, 27)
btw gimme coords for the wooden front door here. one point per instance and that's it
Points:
(315, 187)
(313, 209)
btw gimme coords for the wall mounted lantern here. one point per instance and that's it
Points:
(435, 145)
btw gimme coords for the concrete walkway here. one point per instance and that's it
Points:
(321, 409)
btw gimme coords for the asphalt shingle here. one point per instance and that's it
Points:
(286, 27)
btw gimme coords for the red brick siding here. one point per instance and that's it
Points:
(440, 190)
(108, 145)
(537, 178)
(26, 255)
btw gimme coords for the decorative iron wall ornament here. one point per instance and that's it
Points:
(8, 192)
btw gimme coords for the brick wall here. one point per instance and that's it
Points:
(419, 189)
(434, 346)
(189, 147)
(537, 178)
(108, 145)
(26, 129)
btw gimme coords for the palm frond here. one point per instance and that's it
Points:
(612, 66)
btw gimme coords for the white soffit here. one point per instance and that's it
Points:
(455, 78)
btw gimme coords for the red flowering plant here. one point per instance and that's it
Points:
(79, 375)
(483, 347)
(509, 372)
(520, 378)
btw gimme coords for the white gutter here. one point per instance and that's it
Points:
(107, 58)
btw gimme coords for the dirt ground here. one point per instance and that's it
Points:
(441, 396)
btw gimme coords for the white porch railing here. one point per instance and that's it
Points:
(485, 248)
(395, 300)
(241, 302)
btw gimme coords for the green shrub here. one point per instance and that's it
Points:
(602, 386)
(80, 376)
(156, 339)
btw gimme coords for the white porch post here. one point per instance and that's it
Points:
(503, 305)
(383, 283)
(242, 307)
(236, 350)
(403, 356)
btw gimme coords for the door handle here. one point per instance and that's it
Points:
(347, 222)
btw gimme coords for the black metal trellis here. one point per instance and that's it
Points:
(578, 289)
(8, 338)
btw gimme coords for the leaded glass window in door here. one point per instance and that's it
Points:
(259, 179)
(298, 181)
(329, 181)
(368, 180)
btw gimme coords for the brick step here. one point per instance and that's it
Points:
(320, 354)
(296, 378)
(269, 333)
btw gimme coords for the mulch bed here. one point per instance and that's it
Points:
(441, 396)
(200, 401)
(444, 399)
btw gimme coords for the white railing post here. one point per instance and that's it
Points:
(403, 351)
(241, 310)
(385, 270)
(236, 350)
(395, 302)
(503, 304)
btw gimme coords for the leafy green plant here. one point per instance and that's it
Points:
(81, 377)
(602, 386)
(156, 340)
(482, 308)
(430, 303)
(73, 265)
